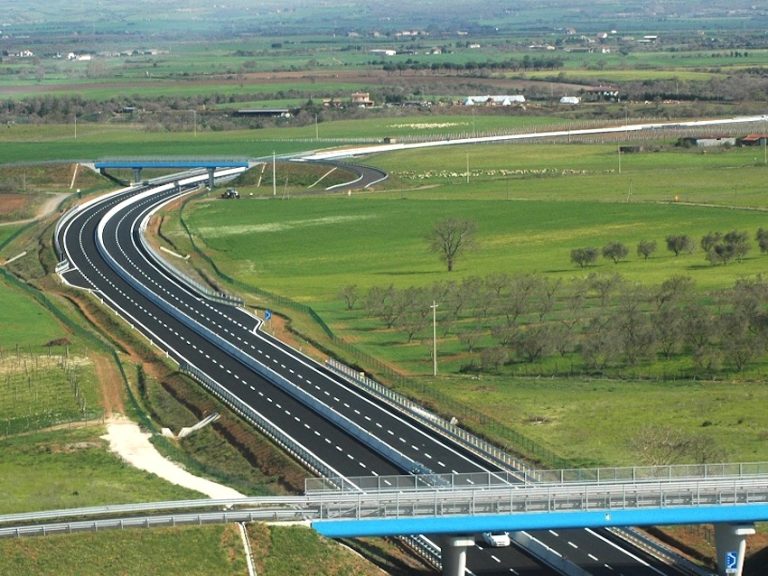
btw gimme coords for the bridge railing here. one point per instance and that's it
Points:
(511, 500)
(472, 501)
(657, 475)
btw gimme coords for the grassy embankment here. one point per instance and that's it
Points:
(308, 249)
(194, 551)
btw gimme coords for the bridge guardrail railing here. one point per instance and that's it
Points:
(473, 501)
(431, 420)
(655, 475)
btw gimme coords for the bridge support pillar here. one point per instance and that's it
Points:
(453, 551)
(136, 175)
(731, 544)
(210, 177)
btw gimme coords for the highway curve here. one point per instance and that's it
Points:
(323, 421)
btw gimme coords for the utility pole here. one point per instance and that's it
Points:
(467, 167)
(274, 177)
(434, 338)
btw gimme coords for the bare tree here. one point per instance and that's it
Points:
(450, 238)
(350, 295)
(660, 445)
(605, 285)
(470, 339)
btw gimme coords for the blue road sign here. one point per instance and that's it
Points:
(731, 560)
(267, 314)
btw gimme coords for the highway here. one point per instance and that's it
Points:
(349, 433)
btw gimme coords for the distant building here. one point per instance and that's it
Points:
(572, 100)
(708, 141)
(265, 112)
(754, 140)
(362, 99)
(383, 52)
(504, 100)
(598, 93)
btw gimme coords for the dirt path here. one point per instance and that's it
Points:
(130, 443)
(110, 385)
(46, 209)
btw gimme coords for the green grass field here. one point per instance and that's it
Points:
(94, 141)
(7, 232)
(593, 421)
(526, 222)
(193, 551)
(551, 199)
(25, 322)
(70, 468)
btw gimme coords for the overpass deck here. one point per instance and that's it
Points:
(183, 164)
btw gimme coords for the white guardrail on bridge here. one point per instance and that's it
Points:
(438, 502)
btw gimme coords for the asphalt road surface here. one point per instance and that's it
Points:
(202, 333)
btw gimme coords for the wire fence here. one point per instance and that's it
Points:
(511, 440)
(38, 391)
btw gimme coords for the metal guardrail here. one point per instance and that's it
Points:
(352, 428)
(173, 272)
(532, 499)
(277, 435)
(432, 421)
(507, 500)
(149, 522)
(655, 475)
(659, 550)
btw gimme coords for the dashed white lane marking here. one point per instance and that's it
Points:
(572, 545)
(593, 557)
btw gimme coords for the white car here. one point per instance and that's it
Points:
(496, 539)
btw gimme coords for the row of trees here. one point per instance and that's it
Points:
(718, 248)
(600, 323)
(526, 63)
